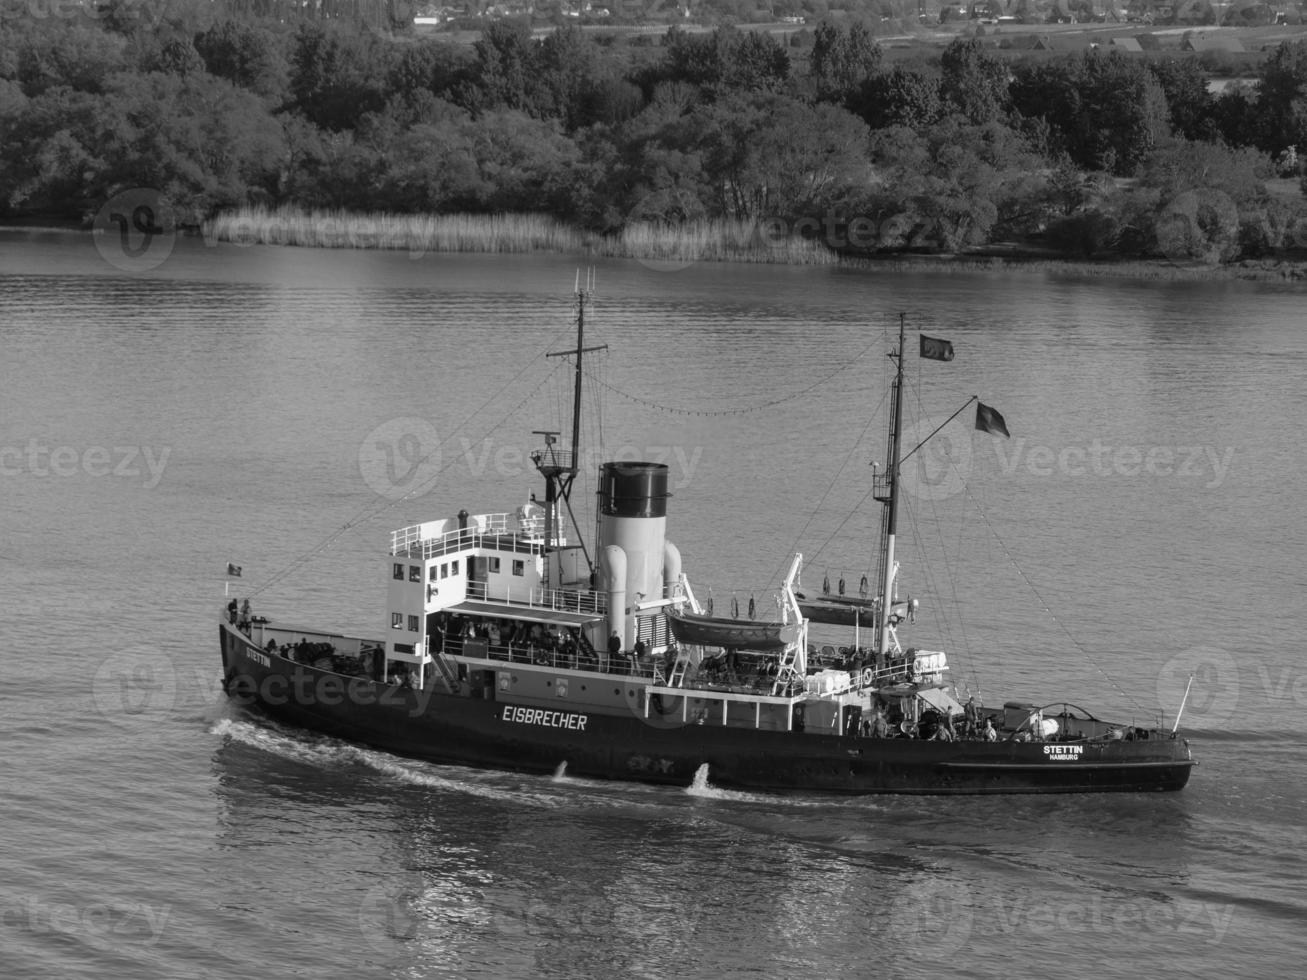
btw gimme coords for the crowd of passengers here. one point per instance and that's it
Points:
(548, 645)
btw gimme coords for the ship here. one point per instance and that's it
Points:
(507, 643)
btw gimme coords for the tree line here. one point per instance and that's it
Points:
(1091, 154)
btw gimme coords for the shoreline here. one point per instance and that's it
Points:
(714, 240)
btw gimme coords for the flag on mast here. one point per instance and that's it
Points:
(989, 420)
(233, 571)
(934, 349)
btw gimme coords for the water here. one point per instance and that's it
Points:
(273, 407)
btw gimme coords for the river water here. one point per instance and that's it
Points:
(284, 409)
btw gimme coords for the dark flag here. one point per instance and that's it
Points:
(234, 571)
(989, 420)
(935, 349)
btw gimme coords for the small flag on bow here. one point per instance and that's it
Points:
(234, 571)
(934, 349)
(989, 420)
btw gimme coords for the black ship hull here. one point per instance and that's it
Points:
(488, 731)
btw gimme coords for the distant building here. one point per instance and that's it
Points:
(1215, 42)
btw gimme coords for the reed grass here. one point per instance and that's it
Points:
(382, 230)
(705, 240)
(714, 240)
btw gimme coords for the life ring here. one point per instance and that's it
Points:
(709, 605)
(868, 675)
(798, 717)
(862, 587)
(841, 585)
(735, 607)
(825, 584)
(751, 616)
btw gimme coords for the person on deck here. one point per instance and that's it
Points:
(614, 649)
(245, 617)
(989, 734)
(972, 715)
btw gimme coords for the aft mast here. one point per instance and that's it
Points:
(885, 488)
(558, 467)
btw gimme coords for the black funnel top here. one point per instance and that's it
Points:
(633, 489)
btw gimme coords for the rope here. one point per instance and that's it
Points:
(673, 410)
(373, 511)
(1044, 605)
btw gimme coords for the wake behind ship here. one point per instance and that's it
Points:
(508, 645)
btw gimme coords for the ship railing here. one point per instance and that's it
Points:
(479, 528)
(558, 600)
(620, 665)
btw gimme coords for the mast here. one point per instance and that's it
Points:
(559, 467)
(886, 490)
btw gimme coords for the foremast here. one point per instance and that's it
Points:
(559, 467)
(885, 488)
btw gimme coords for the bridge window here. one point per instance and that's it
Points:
(493, 565)
(399, 572)
(413, 626)
(453, 568)
(519, 567)
(396, 621)
(415, 573)
(435, 573)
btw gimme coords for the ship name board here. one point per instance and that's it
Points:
(541, 716)
(1064, 753)
(257, 657)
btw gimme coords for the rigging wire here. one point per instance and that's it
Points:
(772, 403)
(1044, 604)
(372, 511)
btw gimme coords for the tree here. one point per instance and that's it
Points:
(899, 97)
(337, 77)
(250, 57)
(841, 60)
(1281, 104)
(974, 82)
(1184, 83)
(1105, 111)
(507, 67)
